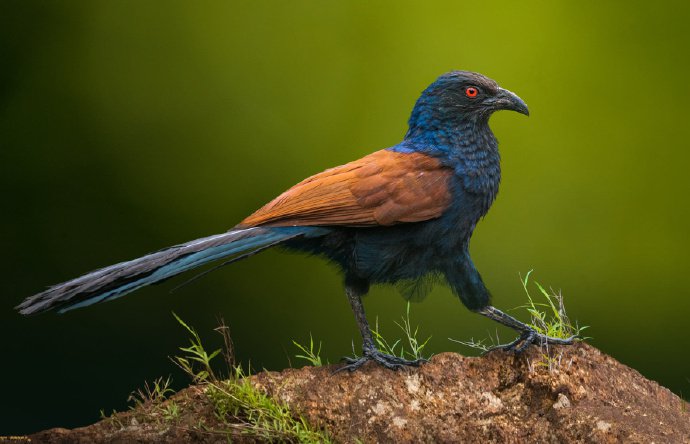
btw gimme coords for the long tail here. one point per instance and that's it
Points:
(120, 279)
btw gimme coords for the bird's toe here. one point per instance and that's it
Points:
(529, 337)
(389, 361)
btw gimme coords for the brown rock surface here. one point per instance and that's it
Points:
(585, 397)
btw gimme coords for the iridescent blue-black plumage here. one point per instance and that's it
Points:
(396, 216)
(449, 126)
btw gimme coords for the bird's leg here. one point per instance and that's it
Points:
(528, 335)
(369, 350)
(465, 280)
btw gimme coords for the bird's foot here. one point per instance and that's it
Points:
(531, 336)
(372, 354)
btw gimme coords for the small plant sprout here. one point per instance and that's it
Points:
(483, 345)
(196, 357)
(170, 411)
(549, 318)
(409, 346)
(229, 347)
(151, 394)
(113, 419)
(383, 345)
(308, 353)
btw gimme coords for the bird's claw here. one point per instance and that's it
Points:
(372, 354)
(529, 337)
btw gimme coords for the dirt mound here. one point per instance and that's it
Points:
(580, 395)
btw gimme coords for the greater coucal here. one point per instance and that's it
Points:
(396, 216)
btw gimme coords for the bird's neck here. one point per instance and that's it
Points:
(456, 137)
(449, 130)
(467, 145)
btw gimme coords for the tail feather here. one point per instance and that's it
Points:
(120, 279)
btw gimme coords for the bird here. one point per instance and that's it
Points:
(403, 215)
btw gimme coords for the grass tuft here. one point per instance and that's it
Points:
(409, 347)
(196, 356)
(308, 353)
(230, 407)
(151, 394)
(170, 411)
(240, 407)
(548, 318)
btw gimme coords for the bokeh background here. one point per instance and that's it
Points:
(129, 126)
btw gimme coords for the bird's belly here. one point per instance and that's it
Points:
(394, 253)
(403, 252)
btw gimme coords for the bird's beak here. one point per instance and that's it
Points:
(509, 100)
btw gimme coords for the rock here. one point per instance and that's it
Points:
(562, 402)
(585, 396)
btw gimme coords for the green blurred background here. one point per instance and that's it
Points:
(129, 126)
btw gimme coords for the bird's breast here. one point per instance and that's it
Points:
(476, 185)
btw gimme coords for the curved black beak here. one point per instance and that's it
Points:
(508, 100)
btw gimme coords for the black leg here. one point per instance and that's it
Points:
(466, 282)
(355, 300)
(369, 350)
(527, 334)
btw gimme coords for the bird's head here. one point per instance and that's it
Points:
(460, 97)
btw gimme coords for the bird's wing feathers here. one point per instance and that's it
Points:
(383, 188)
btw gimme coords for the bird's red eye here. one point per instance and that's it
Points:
(471, 92)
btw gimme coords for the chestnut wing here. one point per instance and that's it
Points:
(383, 188)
